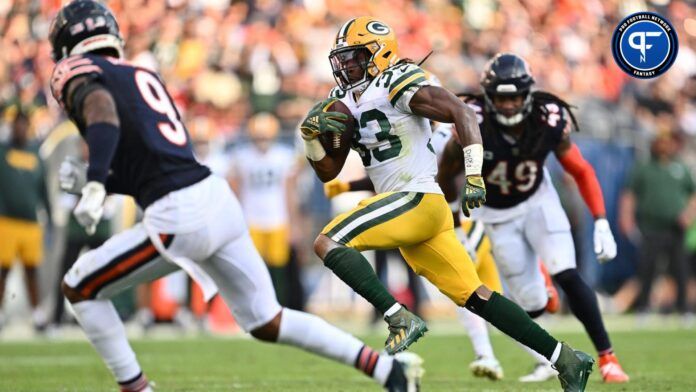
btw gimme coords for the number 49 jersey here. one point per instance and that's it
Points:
(513, 170)
(394, 144)
(154, 154)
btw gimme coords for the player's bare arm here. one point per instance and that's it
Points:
(451, 164)
(438, 104)
(329, 166)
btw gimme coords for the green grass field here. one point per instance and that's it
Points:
(656, 361)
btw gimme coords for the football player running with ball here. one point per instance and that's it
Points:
(393, 102)
(138, 146)
(523, 215)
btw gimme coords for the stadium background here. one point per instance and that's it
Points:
(225, 60)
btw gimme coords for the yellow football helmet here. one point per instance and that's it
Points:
(364, 47)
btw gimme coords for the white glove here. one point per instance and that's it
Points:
(72, 175)
(604, 244)
(89, 210)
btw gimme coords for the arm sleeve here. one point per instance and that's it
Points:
(584, 175)
(102, 139)
(114, 185)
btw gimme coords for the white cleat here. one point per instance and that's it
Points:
(541, 373)
(407, 376)
(487, 367)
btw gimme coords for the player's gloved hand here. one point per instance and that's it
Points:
(72, 175)
(473, 194)
(90, 209)
(604, 244)
(320, 121)
(335, 187)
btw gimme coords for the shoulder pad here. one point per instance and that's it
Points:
(554, 116)
(68, 69)
(401, 78)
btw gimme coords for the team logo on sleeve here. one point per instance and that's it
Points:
(644, 45)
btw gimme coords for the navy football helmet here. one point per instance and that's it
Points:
(507, 74)
(84, 26)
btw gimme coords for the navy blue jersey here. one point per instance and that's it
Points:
(154, 154)
(513, 169)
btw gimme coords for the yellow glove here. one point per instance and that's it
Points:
(473, 194)
(335, 187)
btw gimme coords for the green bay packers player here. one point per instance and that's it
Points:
(393, 102)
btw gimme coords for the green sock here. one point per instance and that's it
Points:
(509, 318)
(354, 269)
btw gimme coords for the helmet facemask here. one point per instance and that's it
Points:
(509, 119)
(353, 66)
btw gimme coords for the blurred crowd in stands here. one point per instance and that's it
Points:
(225, 60)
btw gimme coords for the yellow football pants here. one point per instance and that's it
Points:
(20, 239)
(484, 261)
(273, 244)
(421, 226)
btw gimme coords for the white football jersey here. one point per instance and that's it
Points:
(262, 178)
(394, 144)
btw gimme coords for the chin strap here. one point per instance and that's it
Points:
(584, 175)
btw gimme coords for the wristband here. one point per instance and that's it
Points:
(473, 159)
(314, 150)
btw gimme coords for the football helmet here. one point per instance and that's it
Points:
(84, 26)
(364, 47)
(507, 74)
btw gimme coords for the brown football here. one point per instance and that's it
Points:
(334, 143)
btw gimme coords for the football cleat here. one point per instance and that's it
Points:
(541, 373)
(405, 328)
(406, 373)
(487, 367)
(574, 368)
(611, 370)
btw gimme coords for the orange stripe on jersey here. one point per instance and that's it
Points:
(123, 267)
(66, 70)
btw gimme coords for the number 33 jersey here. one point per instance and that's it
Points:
(394, 144)
(514, 169)
(154, 154)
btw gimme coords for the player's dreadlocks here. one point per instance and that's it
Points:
(532, 138)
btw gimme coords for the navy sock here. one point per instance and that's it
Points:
(583, 304)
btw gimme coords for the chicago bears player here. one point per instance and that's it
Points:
(139, 147)
(523, 216)
(392, 101)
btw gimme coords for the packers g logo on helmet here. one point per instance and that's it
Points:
(377, 27)
(364, 48)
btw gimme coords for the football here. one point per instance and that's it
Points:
(334, 143)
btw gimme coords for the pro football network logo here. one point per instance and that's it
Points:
(644, 45)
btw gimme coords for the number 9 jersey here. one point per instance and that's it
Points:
(154, 155)
(394, 144)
